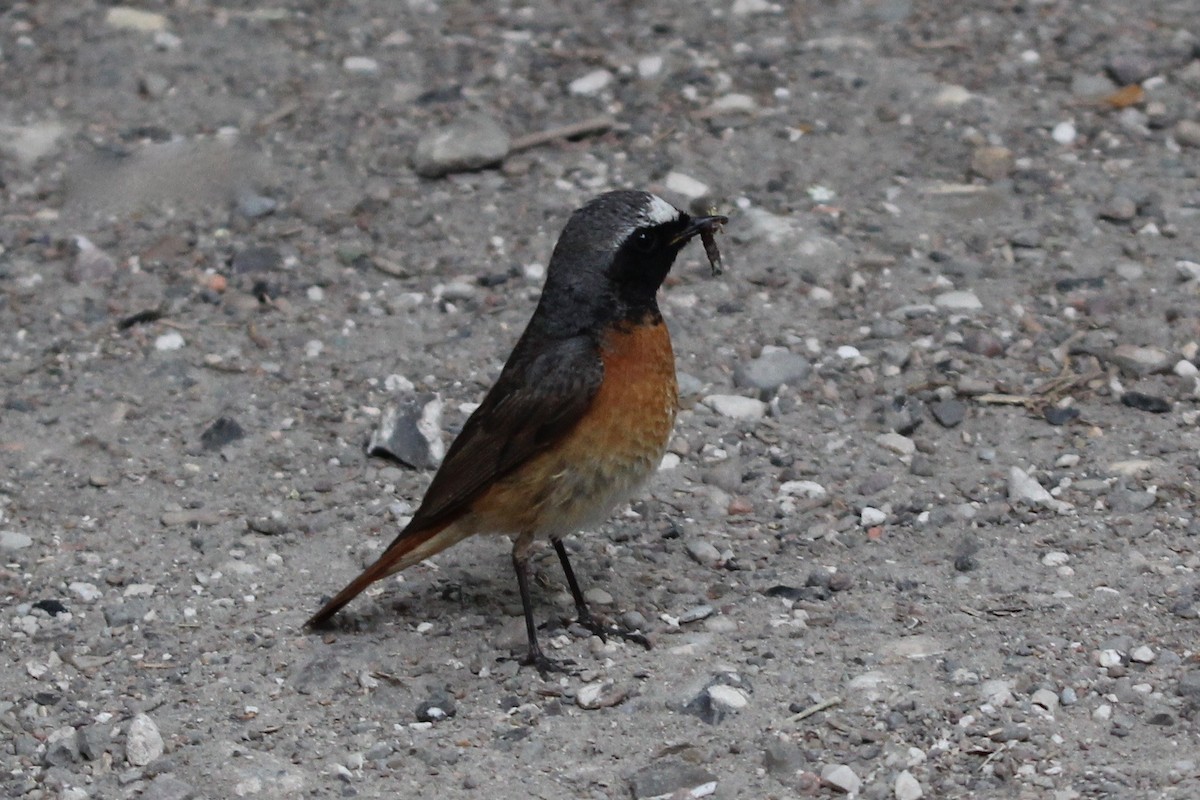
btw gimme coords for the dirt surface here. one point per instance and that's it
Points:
(953, 552)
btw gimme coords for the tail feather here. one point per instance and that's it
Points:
(409, 548)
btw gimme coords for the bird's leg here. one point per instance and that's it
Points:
(581, 607)
(534, 657)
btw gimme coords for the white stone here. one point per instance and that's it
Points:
(1185, 369)
(1055, 558)
(958, 300)
(11, 540)
(669, 461)
(1188, 270)
(1063, 133)
(649, 66)
(871, 517)
(848, 352)
(591, 83)
(808, 489)
(171, 340)
(685, 185)
(727, 697)
(734, 103)
(1143, 655)
(1109, 658)
(87, 592)
(996, 692)
(28, 143)
(907, 787)
(143, 742)
(133, 19)
(362, 65)
(1023, 489)
(896, 443)
(741, 8)
(735, 406)
(951, 96)
(842, 777)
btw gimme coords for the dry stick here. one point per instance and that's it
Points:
(815, 709)
(586, 127)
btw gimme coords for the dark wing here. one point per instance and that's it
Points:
(537, 398)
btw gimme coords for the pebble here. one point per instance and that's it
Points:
(897, 443)
(590, 84)
(742, 8)
(1055, 558)
(360, 65)
(411, 432)
(992, 163)
(87, 592)
(841, 777)
(592, 696)
(1064, 133)
(253, 206)
(772, 370)
(254, 260)
(1187, 133)
(1024, 489)
(438, 707)
(1130, 68)
(171, 340)
(1045, 699)
(1119, 208)
(223, 431)
(1141, 361)
(736, 407)
(472, 142)
(1188, 270)
(685, 185)
(91, 264)
(598, 596)
(168, 787)
(948, 413)
(1143, 655)
(807, 489)
(673, 779)
(727, 698)
(696, 614)
(958, 300)
(133, 19)
(11, 540)
(143, 742)
(870, 517)
(906, 787)
(734, 103)
(1185, 369)
(951, 96)
(703, 552)
(649, 66)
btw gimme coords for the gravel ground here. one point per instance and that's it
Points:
(942, 542)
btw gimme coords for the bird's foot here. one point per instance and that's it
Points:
(545, 665)
(598, 628)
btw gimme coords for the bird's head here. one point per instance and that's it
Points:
(615, 252)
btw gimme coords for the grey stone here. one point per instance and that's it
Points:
(11, 540)
(130, 612)
(143, 742)
(1141, 361)
(783, 759)
(472, 142)
(411, 432)
(168, 787)
(671, 778)
(992, 163)
(1119, 208)
(1128, 68)
(253, 206)
(255, 260)
(1187, 133)
(438, 707)
(948, 413)
(772, 370)
(703, 552)
(92, 741)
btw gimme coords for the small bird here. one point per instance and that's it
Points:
(581, 413)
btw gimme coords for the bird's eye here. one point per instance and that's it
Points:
(644, 241)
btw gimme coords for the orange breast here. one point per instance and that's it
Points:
(615, 446)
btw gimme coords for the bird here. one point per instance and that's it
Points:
(580, 415)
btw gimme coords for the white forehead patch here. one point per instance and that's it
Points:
(659, 212)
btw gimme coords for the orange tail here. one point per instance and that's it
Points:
(409, 548)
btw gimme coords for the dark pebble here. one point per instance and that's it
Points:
(948, 413)
(256, 259)
(51, 607)
(437, 708)
(1146, 402)
(1061, 416)
(1071, 284)
(222, 432)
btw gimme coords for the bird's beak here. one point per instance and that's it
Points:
(699, 225)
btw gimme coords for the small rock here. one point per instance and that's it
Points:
(951, 96)
(1060, 415)
(992, 163)
(996, 692)
(1064, 133)
(133, 19)
(253, 206)
(958, 301)
(590, 84)
(1188, 270)
(255, 260)
(696, 614)
(223, 431)
(842, 778)
(733, 103)
(906, 787)
(727, 698)
(87, 592)
(171, 340)
(1143, 655)
(672, 779)
(361, 65)
(1146, 402)
(807, 489)
(597, 596)
(167, 787)
(736, 407)
(1044, 699)
(91, 265)
(783, 759)
(1187, 133)
(592, 696)
(870, 517)
(437, 708)
(11, 540)
(948, 413)
(685, 185)
(1055, 558)
(771, 370)
(742, 8)
(1185, 369)
(703, 552)
(1141, 361)
(411, 432)
(901, 445)
(1119, 209)
(1130, 68)
(649, 66)
(472, 142)
(143, 742)
(982, 343)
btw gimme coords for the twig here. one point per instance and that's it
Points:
(586, 127)
(816, 709)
